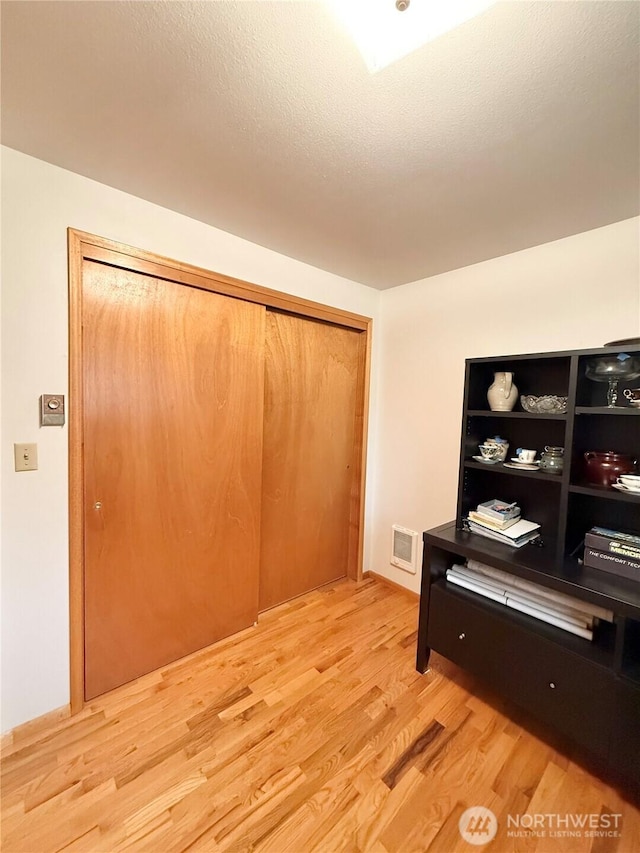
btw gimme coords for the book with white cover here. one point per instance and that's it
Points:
(502, 537)
(520, 528)
(491, 523)
(498, 509)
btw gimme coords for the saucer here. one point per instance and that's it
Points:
(486, 461)
(522, 466)
(517, 461)
(622, 488)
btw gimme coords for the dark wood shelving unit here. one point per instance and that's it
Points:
(602, 492)
(483, 413)
(535, 563)
(500, 468)
(606, 410)
(601, 653)
(589, 690)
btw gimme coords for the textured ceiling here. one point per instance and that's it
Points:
(260, 118)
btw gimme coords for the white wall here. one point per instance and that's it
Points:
(39, 202)
(582, 291)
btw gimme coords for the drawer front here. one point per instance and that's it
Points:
(561, 688)
(625, 744)
(466, 635)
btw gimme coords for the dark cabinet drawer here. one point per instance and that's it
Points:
(625, 742)
(559, 687)
(466, 634)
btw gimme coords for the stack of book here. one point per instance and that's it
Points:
(564, 611)
(613, 551)
(502, 522)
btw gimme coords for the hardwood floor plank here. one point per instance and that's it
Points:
(157, 807)
(413, 752)
(89, 840)
(309, 733)
(523, 767)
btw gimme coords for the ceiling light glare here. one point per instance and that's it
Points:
(383, 34)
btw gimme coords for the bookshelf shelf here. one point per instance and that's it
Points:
(604, 493)
(500, 643)
(486, 413)
(624, 411)
(511, 472)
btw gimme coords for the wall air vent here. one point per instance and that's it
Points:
(404, 548)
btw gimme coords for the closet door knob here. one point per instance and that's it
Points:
(552, 685)
(461, 636)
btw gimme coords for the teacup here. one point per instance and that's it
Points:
(502, 443)
(630, 481)
(525, 455)
(490, 451)
(633, 396)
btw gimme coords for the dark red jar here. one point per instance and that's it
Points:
(603, 467)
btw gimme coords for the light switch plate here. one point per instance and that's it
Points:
(26, 457)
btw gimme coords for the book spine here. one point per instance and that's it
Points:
(632, 538)
(508, 535)
(499, 508)
(498, 516)
(612, 563)
(611, 545)
(479, 518)
(490, 534)
(499, 537)
(521, 528)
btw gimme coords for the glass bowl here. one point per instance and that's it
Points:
(608, 367)
(547, 404)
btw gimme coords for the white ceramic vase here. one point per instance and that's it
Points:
(502, 393)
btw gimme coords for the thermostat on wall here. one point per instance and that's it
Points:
(404, 548)
(52, 410)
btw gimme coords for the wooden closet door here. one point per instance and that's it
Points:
(173, 409)
(310, 455)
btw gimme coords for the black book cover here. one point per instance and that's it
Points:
(613, 545)
(612, 563)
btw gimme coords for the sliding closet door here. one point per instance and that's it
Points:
(310, 454)
(173, 412)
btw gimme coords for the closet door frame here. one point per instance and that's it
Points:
(83, 246)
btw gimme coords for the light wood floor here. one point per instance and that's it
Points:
(311, 732)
